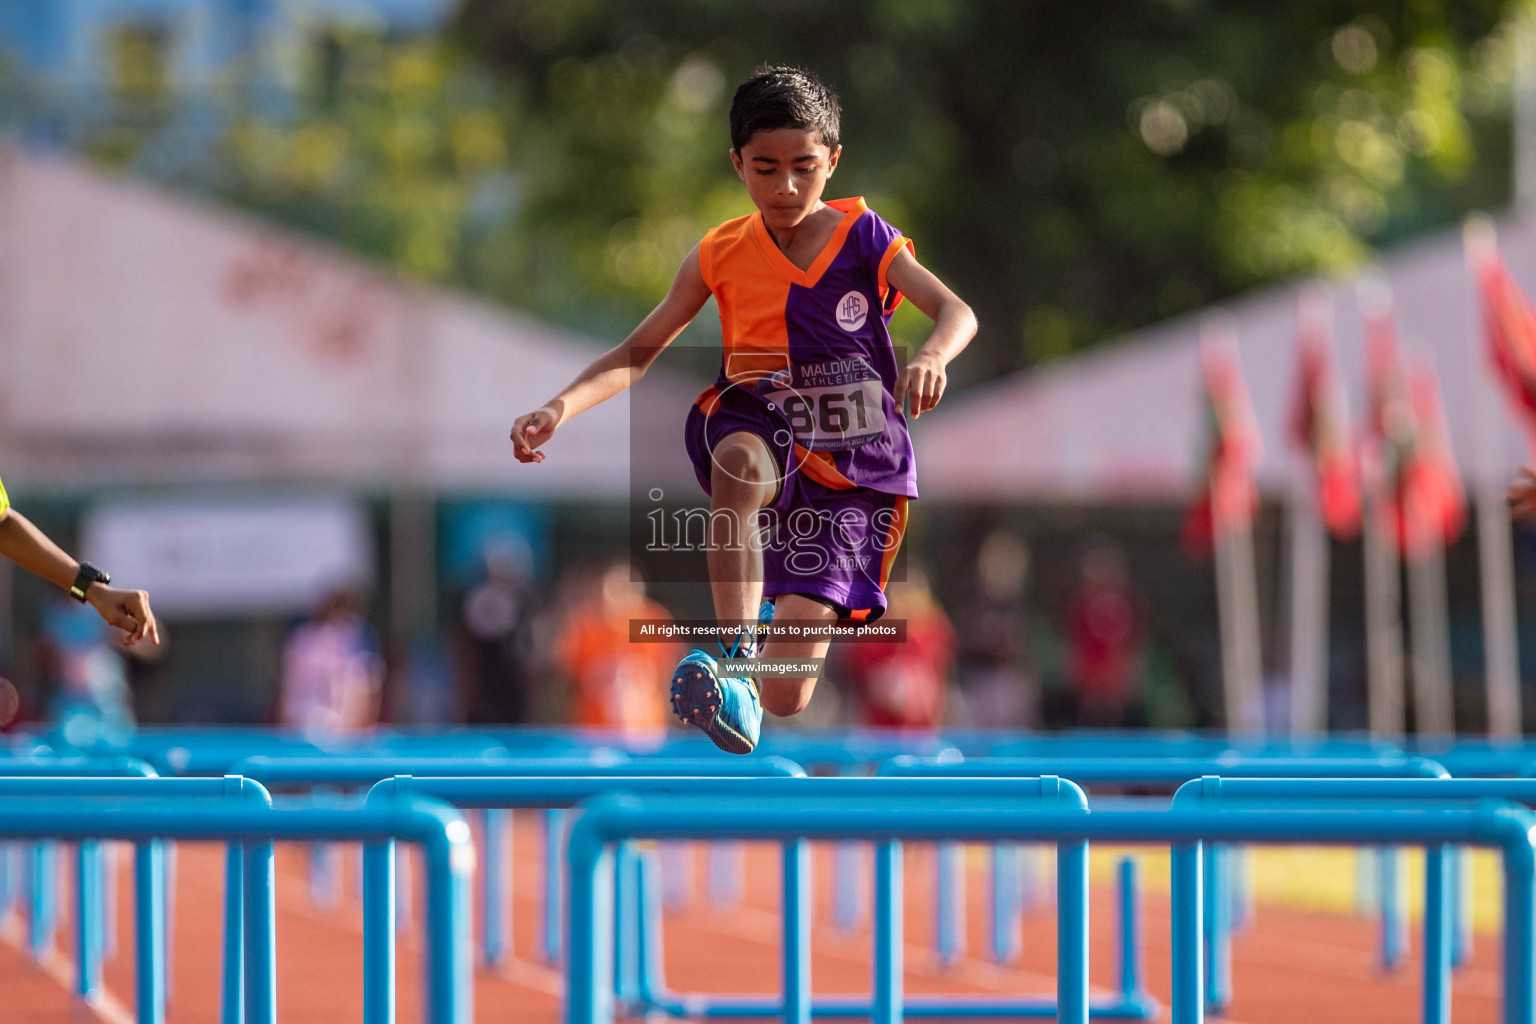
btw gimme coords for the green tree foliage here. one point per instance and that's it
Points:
(398, 149)
(1073, 169)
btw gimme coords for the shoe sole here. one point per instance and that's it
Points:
(696, 701)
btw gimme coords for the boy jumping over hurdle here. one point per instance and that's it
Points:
(803, 438)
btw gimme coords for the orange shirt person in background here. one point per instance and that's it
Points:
(616, 686)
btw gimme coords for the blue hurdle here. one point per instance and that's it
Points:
(150, 935)
(638, 983)
(617, 818)
(308, 772)
(440, 830)
(1174, 771)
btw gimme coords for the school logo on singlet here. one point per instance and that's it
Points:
(852, 311)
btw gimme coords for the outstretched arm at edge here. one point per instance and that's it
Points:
(954, 325)
(619, 367)
(31, 549)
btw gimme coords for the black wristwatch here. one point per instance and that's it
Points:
(87, 575)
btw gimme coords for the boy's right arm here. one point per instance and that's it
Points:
(619, 367)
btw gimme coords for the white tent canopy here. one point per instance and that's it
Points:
(148, 339)
(1124, 421)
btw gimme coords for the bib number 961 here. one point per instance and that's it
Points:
(835, 406)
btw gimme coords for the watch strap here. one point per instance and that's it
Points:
(87, 575)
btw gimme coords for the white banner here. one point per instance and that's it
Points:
(223, 558)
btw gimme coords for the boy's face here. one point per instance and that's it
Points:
(785, 171)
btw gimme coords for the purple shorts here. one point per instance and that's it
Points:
(835, 544)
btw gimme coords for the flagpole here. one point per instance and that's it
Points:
(1495, 546)
(1383, 627)
(1433, 707)
(1238, 616)
(1232, 503)
(1309, 610)
(1385, 713)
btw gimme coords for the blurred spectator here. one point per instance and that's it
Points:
(333, 671)
(993, 669)
(496, 642)
(615, 685)
(1103, 636)
(902, 685)
(81, 661)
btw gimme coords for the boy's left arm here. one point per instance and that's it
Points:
(954, 325)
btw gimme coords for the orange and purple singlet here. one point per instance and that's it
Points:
(808, 365)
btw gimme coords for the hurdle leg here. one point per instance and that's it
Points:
(168, 894)
(1130, 934)
(589, 983)
(232, 993)
(450, 975)
(1072, 933)
(625, 925)
(149, 933)
(1519, 940)
(648, 942)
(43, 892)
(554, 868)
(797, 931)
(494, 916)
(379, 933)
(1005, 903)
(260, 933)
(109, 900)
(888, 934)
(949, 901)
(1188, 990)
(1394, 918)
(87, 942)
(1461, 904)
(1437, 939)
(1218, 937)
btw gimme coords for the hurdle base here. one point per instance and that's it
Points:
(1130, 1006)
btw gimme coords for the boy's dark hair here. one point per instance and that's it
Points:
(778, 97)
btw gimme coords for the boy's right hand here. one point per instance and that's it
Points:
(530, 431)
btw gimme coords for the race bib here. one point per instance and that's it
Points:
(831, 406)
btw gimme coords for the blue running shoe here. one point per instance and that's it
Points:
(764, 617)
(726, 708)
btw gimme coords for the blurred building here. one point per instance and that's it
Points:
(1112, 440)
(239, 420)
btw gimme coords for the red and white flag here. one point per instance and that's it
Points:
(1320, 419)
(1508, 320)
(1406, 452)
(1228, 498)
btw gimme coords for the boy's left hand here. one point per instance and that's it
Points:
(924, 381)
